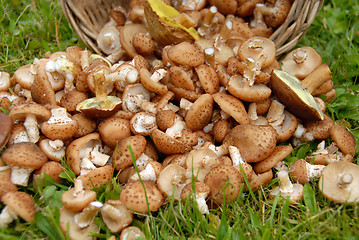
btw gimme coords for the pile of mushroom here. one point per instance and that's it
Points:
(196, 117)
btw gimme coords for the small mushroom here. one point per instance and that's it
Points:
(171, 180)
(278, 154)
(344, 139)
(199, 192)
(302, 171)
(113, 129)
(131, 233)
(17, 204)
(5, 183)
(200, 113)
(186, 54)
(5, 129)
(339, 182)
(116, 216)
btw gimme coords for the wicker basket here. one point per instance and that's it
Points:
(88, 17)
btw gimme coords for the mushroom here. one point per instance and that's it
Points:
(143, 123)
(113, 129)
(141, 198)
(208, 78)
(167, 144)
(17, 204)
(199, 192)
(5, 129)
(108, 40)
(5, 183)
(339, 182)
(32, 114)
(172, 180)
(24, 158)
(116, 216)
(51, 169)
(97, 177)
(343, 138)
(275, 13)
(131, 233)
(84, 218)
(287, 189)
(302, 171)
(200, 113)
(4, 81)
(186, 54)
(278, 154)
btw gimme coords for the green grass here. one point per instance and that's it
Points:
(30, 28)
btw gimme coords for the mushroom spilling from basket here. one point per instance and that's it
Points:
(188, 102)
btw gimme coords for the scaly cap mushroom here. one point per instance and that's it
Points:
(116, 216)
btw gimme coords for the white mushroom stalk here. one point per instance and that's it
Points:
(84, 218)
(20, 175)
(66, 68)
(158, 75)
(56, 147)
(175, 130)
(142, 161)
(32, 127)
(7, 216)
(314, 171)
(91, 156)
(236, 156)
(286, 186)
(78, 189)
(253, 68)
(148, 174)
(209, 22)
(223, 36)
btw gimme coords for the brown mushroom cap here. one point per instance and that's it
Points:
(171, 181)
(143, 44)
(51, 168)
(186, 53)
(255, 47)
(255, 143)
(131, 233)
(5, 128)
(41, 89)
(122, 156)
(278, 154)
(224, 182)
(20, 111)
(298, 171)
(294, 96)
(167, 144)
(301, 62)
(21, 204)
(208, 78)
(344, 139)
(114, 129)
(25, 154)
(200, 113)
(76, 204)
(6, 185)
(134, 197)
(320, 129)
(165, 119)
(97, 177)
(339, 182)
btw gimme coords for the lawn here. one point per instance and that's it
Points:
(31, 28)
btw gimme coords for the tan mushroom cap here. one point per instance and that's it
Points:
(131, 233)
(186, 54)
(134, 197)
(126, 37)
(116, 216)
(220, 130)
(151, 85)
(71, 98)
(320, 129)
(260, 180)
(301, 61)
(224, 182)
(200, 113)
(5, 128)
(113, 130)
(294, 96)
(232, 106)
(41, 89)
(171, 181)
(86, 125)
(20, 111)
(208, 78)
(225, 7)
(344, 139)
(255, 47)
(97, 177)
(21, 204)
(67, 223)
(298, 171)
(167, 144)
(181, 78)
(254, 142)
(339, 182)
(51, 168)
(122, 155)
(165, 119)
(59, 130)
(6, 185)
(143, 44)
(77, 204)
(25, 154)
(198, 188)
(278, 154)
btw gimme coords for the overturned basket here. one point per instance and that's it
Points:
(88, 17)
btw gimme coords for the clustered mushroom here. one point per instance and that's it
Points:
(184, 105)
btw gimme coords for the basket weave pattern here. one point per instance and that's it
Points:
(88, 17)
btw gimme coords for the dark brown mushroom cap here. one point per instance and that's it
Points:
(41, 89)
(116, 216)
(95, 108)
(134, 197)
(167, 144)
(200, 113)
(97, 177)
(278, 154)
(59, 130)
(122, 156)
(51, 168)
(294, 96)
(21, 204)
(25, 154)
(254, 142)
(320, 129)
(5, 128)
(344, 139)
(224, 182)
(20, 111)
(298, 171)
(6, 185)
(339, 182)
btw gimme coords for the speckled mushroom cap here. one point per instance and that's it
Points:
(41, 89)
(224, 182)
(20, 203)
(165, 119)
(278, 154)
(5, 128)
(320, 129)
(232, 106)
(133, 196)
(6, 185)
(171, 180)
(254, 142)
(343, 138)
(186, 53)
(298, 171)
(19, 112)
(200, 113)
(339, 182)
(167, 144)
(97, 177)
(76, 204)
(114, 129)
(208, 78)
(122, 156)
(67, 223)
(25, 154)
(198, 188)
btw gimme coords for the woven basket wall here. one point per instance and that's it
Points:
(88, 17)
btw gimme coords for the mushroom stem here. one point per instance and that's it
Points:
(20, 175)
(84, 218)
(236, 156)
(201, 202)
(32, 127)
(314, 171)
(79, 190)
(286, 185)
(316, 78)
(100, 85)
(223, 35)
(6, 217)
(299, 56)
(210, 57)
(344, 179)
